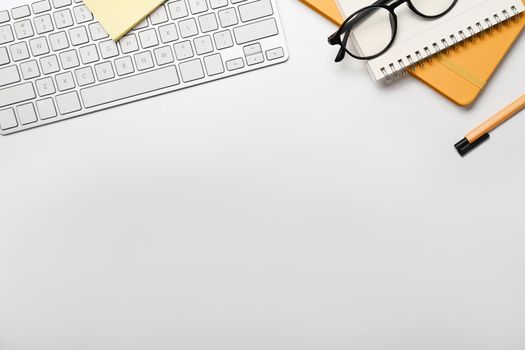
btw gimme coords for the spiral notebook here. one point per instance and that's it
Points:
(419, 39)
(460, 74)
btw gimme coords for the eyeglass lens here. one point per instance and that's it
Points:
(373, 29)
(432, 8)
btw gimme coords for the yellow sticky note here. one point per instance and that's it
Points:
(120, 16)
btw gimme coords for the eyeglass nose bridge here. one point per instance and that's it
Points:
(396, 4)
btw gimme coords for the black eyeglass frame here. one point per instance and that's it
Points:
(346, 27)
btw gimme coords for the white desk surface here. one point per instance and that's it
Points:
(297, 207)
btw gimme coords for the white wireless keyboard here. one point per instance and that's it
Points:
(57, 62)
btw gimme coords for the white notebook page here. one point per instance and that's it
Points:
(418, 38)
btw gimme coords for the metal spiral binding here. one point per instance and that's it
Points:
(396, 70)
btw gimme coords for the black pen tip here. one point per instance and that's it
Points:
(464, 146)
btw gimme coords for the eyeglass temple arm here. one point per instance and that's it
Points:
(335, 39)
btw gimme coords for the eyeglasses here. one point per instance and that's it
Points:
(377, 25)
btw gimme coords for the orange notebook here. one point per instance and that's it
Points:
(462, 73)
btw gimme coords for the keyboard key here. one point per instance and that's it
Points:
(61, 3)
(4, 16)
(144, 61)
(108, 49)
(148, 38)
(45, 86)
(129, 44)
(188, 28)
(198, 6)
(79, 36)
(214, 64)
(177, 9)
(30, 69)
(168, 33)
(19, 51)
(235, 64)
(46, 108)
(159, 16)
(215, 4)
(65, 81)
(63, 18)
(223, 39)
(255, 31)
(8, 119)
(163, 55)
(252, 60)
(191, 70)
(84, 76)
(208, 22)
(23, 29)
(252, 49)
(4, 56)
(6, 34)
(49, 64)
(131, 86)
(9, 75)
(58, 41)
(255, 10)
(203, 45)
(39, 46)
(20, 12)
(104, 71)
(41, 6)
(16, 94)
(26, 113)
(69, 59)
(183, 50)
(82, 14)
(89, 54)
(97, 31)
(274, 54)
(124, 66)
(228, 17)
(43, 24)
(68, 103)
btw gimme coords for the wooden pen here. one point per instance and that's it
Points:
(481, 133)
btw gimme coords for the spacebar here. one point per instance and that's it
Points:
(129, 87)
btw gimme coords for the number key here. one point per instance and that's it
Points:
(82, 14)
(24, 29)
(63, 18)
(43, 24)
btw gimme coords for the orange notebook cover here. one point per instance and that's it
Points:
(461, 73)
